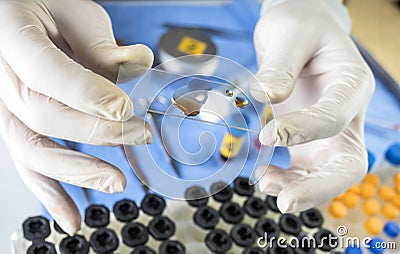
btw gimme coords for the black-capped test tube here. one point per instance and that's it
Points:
(196, 196)
(290, 225)
(143, 250)
(218, 241)
(104, 241)
(231, 213)
(160, 228)
(254, 208)
(221, 193)
(96, 216)
(152, 205)
(133, 234)
(124, 211)
(41, 247)
(242, 236)
(312, 220)
(171, 247)
(205, 218)
(35, 229)
(76, 244)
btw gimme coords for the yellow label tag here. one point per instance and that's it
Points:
(231, 146)
(191, 46)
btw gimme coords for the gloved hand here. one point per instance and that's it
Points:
(49, 49)
(311, 69)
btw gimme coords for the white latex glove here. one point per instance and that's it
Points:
(312, 70)
(48, 49)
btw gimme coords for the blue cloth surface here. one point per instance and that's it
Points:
(144, 23)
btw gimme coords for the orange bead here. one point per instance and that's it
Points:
(356, 188)
(396, 179)
(368, 190)
(337, 210)
(389, 211)
(339, 197)
(371, 207)
(396, 201)
(350, 200)
(371, 178)
(373, 226)
(386, 192)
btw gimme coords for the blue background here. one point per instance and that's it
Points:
(144, 23)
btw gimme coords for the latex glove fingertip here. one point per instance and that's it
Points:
(267, 135)
(114, 182)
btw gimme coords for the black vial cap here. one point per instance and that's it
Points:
(267, 227)
(218, 241)
(58, 229)
(253, 250)
(161, 228)
(104, 241)
(325, 240)
(196, 196)
(125, 210)
(271, 204)
(143, 250)
(312, 218)
(76, 244)
(206, 217)
(171, 247)
(36, 228)
(222, 192)
(134, 234)
(97, 216)
(255, 207)
(231, 213)
(41, 248)
(280, 250)
(153, 205)
(242, 187)
(243, 235)
(290, 224)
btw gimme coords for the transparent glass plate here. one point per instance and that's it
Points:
(198, 117)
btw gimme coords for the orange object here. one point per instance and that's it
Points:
(350, 199)
(389, 211)
(339, 197)
(367, 190)
(386, 192)
(337, 210)
(371, 207)
(373, 226)
(396, 201)
(396, 179)
(371, 178)
(398, 188)
(356, 188)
